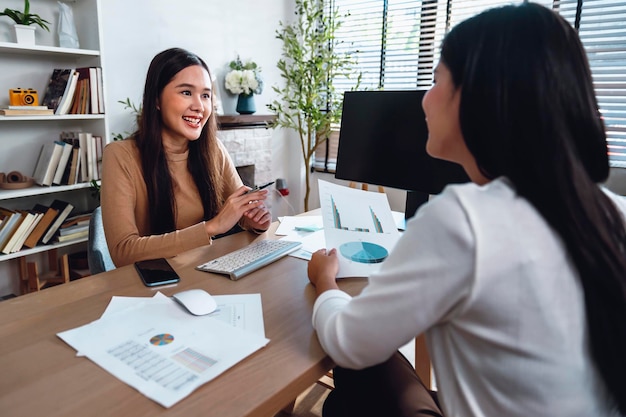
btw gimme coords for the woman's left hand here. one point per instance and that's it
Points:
(258, 218)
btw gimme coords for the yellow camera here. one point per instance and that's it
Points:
(20, 97)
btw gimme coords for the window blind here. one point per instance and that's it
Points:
(396, 43)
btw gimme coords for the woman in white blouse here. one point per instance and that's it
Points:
(518, 278)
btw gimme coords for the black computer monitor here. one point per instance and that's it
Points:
(382, 141)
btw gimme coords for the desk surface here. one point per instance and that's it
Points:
(41, 375)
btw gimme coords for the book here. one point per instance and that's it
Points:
(49, 214)
(57, 84)
(26, 107)
(68, 175)
(47, 162)
(65, 157)
(98, 148)
(93, 90)
(26, 112)
(82, 138)
(82, 94)
(75, 109)
(11, 220)
(73, 229)
(73, 164)
(100, 90)
(78, 219)
(72, 236)
(68, 95)
(64, 209)
(28, 224)
(84, 98)
(91, 153)
(25, 220)
(78, 165)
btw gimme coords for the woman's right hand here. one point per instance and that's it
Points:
(235, 206)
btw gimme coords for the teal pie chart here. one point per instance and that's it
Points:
(363, 252)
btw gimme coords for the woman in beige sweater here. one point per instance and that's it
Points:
(172, 186)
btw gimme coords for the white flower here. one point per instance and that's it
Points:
(242, 81)
(243, 78)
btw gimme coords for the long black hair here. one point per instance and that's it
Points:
(528, 112)
(203, 168)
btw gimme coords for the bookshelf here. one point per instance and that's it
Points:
(21, 137)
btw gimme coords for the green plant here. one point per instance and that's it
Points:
(308, 102)
(135, 110)
(95, 189)
(25, 17)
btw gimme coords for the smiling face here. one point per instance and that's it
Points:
(185, 105)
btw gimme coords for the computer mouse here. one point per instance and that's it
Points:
(198, 302)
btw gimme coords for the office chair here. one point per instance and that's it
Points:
(98, 255)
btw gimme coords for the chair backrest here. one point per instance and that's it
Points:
(97, 251)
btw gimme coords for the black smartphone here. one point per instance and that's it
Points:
(154, 272)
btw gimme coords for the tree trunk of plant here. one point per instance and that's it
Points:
(307, 178)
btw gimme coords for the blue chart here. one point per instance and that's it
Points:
(363, 252)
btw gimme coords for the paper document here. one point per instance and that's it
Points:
(360, 225)
(239, 310)
(163, 351)
(308, 230)
(299, 225)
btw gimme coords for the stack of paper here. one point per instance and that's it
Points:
(157, 347)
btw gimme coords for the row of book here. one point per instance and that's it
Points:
(40, 225)
(75, 91)
(76, 157)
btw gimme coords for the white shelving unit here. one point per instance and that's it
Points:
(21, 137)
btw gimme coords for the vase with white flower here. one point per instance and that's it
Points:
(244, 80)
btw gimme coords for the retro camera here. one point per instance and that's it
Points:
(21, 97)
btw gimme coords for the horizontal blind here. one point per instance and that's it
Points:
(325, 159)
(602, 30)
(397, 46)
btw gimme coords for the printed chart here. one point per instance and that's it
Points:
(359, 224)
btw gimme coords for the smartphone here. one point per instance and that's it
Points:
(154, 272)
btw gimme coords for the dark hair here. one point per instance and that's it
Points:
(203, 168)
(528, 112)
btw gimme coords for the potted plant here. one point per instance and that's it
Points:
(308, 102)
(24, 32)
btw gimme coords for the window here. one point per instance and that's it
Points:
(397, 44)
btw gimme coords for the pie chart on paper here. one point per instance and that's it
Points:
(363, 252)
(162, 339)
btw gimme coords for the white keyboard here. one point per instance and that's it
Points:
(245, 260)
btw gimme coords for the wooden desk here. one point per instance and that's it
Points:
(41, 375)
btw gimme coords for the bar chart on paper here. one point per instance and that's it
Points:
(360, 225)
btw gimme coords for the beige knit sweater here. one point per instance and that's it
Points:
(124, 200)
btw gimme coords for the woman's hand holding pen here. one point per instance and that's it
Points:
(243, 202)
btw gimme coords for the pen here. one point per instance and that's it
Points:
(259, 187)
